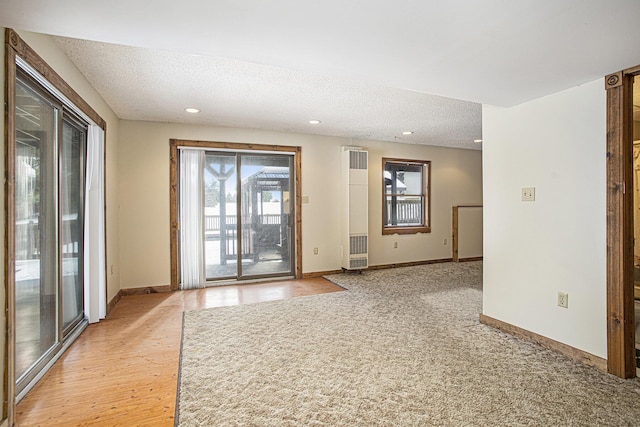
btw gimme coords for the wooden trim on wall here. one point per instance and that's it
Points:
(111, 304)
(173, 213)
(296, 226)
(238, 146)
(23, 50)
(388, 266)
(315, 274)
(145, 290)
(454, 232)
(567, 350)
(470, 259)
(408, 264)
(620, 305)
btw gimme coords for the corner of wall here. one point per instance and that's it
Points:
(533, 250)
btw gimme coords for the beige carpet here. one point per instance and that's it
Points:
(401, 347)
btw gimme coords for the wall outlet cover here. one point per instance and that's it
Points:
(528, 194)
(563, 299)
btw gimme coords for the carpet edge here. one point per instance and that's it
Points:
(176, 413)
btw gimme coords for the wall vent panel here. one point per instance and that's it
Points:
(355, 208)
(358, 245)
(358, 159)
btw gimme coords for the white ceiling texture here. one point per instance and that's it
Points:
(365, 69)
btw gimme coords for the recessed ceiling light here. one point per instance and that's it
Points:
(477, 140)
(314, 122)
(407, 132)
(192, 110)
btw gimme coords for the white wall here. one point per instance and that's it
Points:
(469, 232)
(51, 53)
(532, 250)
(143, 168)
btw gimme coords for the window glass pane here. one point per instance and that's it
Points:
(266, 208)
(413, 182)
(403, 210)
(72, 224)
(36, 294)
(220, 213)
(403, 178)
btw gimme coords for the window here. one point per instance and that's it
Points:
(405, 198)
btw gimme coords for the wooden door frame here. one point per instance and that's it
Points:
(620, 306)
(173, 194)
(16, 47)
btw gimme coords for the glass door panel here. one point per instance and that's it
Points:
(220, 216)
(259, 245)
(266, 215)
(72, 175)
(36, 270)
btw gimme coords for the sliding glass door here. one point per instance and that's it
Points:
(220, 216)
(50, 146)
(266, 214)
(36, 252)
(72, 184)
(247, 215)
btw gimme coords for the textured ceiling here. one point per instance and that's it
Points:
(140, 84)
(363, 68)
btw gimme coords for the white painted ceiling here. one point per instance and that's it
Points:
(366, 69)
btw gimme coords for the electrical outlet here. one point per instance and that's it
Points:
(444, 241)
(395, 245)
(315, 251)
(563, 299)
(528, 194)
(112, 269)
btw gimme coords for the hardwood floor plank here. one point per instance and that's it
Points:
(123, 371)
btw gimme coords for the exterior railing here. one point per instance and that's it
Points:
(27, 238)
(212, 222)
(407, 211)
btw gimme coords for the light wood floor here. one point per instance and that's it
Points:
(123, 370)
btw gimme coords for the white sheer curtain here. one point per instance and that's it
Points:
(95, 285)
(191, 219)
